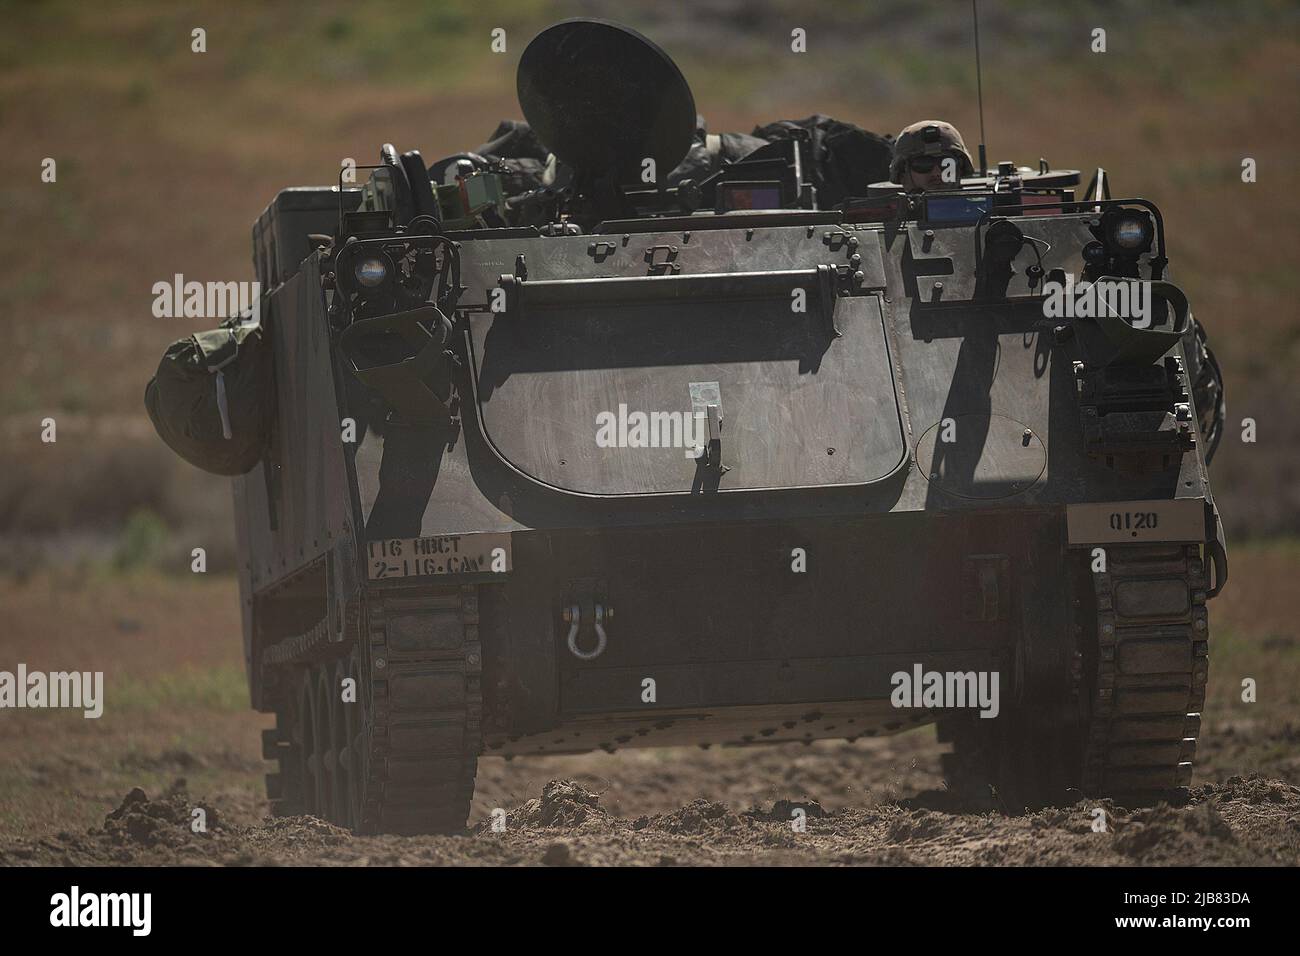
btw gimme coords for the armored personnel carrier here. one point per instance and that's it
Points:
(618, 461)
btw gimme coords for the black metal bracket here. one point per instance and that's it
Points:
(822, 281)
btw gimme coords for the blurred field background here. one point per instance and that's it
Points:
(165, 157)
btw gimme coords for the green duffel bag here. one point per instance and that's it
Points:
(212, 399)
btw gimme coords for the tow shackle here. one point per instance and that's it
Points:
(573, 617)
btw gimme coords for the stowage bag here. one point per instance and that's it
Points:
(212, 398)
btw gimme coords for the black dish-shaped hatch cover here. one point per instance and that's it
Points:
(604, 98)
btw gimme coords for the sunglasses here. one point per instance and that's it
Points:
(925, 164)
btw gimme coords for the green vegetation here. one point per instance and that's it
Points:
(142, 540)
(219, 689)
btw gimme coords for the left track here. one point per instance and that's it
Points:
(397, 750)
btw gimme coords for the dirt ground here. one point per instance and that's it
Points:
(1248, 820)
(176, 727)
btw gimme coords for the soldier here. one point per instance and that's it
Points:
(919, 154)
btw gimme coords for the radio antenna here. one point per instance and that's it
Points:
(979, 85)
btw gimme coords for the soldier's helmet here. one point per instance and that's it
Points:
(929, 138)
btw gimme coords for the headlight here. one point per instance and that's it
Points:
(371, 271)
(1130, 232)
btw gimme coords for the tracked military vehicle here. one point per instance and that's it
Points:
(612, 461)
